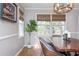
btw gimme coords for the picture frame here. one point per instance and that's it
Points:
(21, 15)
(9, 11)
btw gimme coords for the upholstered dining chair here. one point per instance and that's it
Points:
(48, 50)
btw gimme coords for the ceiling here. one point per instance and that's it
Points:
(43, 5)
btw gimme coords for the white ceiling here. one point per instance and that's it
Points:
(43, 5)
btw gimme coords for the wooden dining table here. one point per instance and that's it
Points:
(71, 46)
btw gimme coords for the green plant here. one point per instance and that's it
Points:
(31, 26)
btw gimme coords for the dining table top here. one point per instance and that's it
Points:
(71, 46)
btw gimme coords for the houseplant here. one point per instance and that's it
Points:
(31, 27)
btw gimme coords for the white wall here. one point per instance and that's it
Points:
(71, 20)
(10, 44)
(78, 26)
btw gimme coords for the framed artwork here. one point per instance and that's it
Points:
(21, 15)
(9, 11)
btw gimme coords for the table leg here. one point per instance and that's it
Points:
(66, 53)
(76, 54)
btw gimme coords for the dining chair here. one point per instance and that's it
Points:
(48, 50)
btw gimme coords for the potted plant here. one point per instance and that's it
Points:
(31, 27)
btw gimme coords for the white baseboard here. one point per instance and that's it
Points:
(19, 51)
(25, 45)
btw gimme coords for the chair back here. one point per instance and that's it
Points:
(48, 50)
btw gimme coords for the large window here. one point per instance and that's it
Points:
(51, 27)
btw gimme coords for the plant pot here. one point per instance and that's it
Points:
(31, 39)
(29, 46)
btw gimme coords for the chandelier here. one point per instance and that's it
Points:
(63, 7)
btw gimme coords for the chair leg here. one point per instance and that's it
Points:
(76, 54)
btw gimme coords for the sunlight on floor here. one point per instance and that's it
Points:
(37, 46)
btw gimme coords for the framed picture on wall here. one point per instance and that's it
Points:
(9, 11)
(21, 15)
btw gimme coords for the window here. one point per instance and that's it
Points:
(21, 28)
(47, 28)
(53, 27)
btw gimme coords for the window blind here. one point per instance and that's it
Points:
(44, 17)
(58, 17)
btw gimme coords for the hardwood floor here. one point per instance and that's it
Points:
(35, 51)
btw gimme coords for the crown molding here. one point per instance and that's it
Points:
(45, 8)
(38, 8)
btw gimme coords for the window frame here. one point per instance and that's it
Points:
(51, 21)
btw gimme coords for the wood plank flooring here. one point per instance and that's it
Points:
(35, 51)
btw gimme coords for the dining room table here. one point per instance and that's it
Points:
(72, 45)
